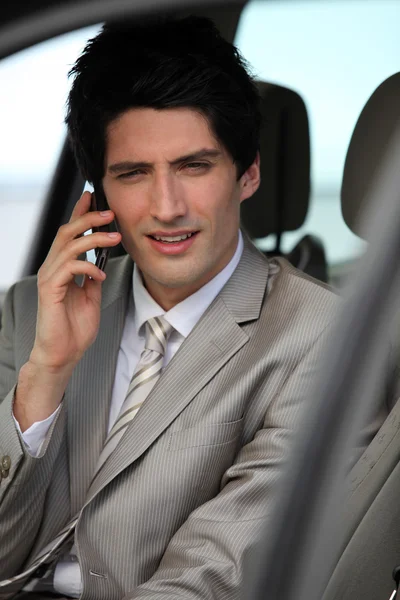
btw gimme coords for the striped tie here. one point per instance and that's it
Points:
(144, 378)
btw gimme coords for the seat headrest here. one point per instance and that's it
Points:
(368, 146)
(281, 202)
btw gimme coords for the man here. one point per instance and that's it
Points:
(146, 415)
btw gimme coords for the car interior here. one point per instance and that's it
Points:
(282, 201)
(281, 206)
(367, 149)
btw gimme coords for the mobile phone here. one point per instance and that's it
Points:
(99, 202)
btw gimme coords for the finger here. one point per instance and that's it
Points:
(65, 275)
(76, 228)
(89, 242)
(81, 245)
(92, 289)
(82, 206)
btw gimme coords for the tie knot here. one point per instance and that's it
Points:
(158, 331)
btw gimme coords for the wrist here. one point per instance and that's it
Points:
(48, 364)
(39, 393)
(47, 373)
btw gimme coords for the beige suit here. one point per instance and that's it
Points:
(183, 496)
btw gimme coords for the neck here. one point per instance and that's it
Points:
(168, 297)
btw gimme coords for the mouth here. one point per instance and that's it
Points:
(172, 239)
(175, 243)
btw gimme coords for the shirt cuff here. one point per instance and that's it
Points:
(35, 435)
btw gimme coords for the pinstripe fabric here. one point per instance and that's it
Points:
(143, 380)
(77, 435)
(48, 555)
(182, 497)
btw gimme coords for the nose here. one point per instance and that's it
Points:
(167, 198)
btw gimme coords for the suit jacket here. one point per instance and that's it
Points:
(182, 498)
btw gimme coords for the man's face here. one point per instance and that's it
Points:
(176, 197)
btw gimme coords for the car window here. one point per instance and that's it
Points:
(34, 86)
(334, 54)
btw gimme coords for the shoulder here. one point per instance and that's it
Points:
(24, 293)
(19, 311)
(284, 276)
(297, 300)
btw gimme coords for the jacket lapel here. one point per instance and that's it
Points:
(90, 388)
(214, 340)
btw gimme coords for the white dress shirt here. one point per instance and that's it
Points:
(183, 317)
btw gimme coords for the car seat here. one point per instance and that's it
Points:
(282, 200)
(371, 547)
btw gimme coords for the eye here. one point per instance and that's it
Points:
(197, 166)
(131, 174)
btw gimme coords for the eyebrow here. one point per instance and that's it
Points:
(128, 165)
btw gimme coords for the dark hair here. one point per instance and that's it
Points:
(160, 64)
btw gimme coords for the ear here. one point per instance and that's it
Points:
(250, 180)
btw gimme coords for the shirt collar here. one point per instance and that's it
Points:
(185, 315)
